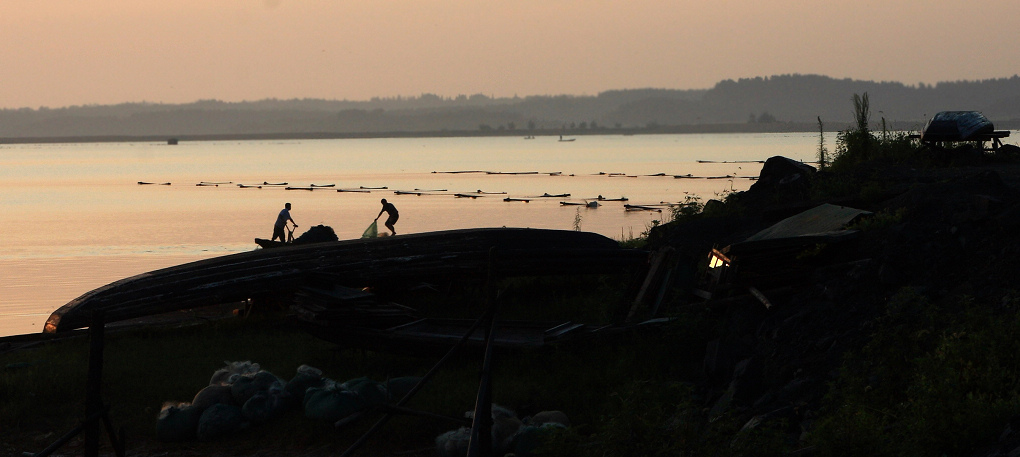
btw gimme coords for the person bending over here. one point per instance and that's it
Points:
(388, 208)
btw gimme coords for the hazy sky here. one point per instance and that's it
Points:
(58, 53)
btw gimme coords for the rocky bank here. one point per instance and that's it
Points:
(944, 230)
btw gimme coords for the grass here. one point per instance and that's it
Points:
(934, 380)
(42, 389)
(925, 385)
(145, 368)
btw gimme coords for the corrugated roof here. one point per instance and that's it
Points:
(820, 219)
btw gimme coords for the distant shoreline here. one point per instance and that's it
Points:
(774, 127)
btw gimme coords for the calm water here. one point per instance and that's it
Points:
(77, 219)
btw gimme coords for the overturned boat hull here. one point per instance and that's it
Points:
(435, 256)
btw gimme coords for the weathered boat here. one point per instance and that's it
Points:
(958, 126)
(265, 273)
(358, 318)
(269, 244)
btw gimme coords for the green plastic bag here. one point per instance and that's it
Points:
(372, 231)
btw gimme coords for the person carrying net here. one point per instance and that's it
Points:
(388, 208)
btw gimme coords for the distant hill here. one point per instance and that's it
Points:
(783, 102)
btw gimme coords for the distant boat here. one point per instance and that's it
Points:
(566, 139)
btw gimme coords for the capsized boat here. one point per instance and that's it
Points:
(956, 126)
(433, 256)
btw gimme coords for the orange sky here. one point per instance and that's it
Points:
(70, 52)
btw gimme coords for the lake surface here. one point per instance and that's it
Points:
(78, 219)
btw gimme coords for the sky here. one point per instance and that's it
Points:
(57, 53)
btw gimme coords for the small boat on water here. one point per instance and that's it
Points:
(463, 255)
(653, 208)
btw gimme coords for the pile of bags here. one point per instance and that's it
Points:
(242, 394)
(509, 434)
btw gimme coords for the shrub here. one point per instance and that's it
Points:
(934, 380)
(859, 145)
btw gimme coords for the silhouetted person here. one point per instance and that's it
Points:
(281, 223)
(388, 208)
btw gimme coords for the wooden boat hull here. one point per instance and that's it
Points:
(433, 256)
(427, 336)
(956, 126)
(268, 244)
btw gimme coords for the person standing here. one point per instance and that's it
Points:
(281, 223)
(388, 208)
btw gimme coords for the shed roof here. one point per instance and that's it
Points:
(820, 219)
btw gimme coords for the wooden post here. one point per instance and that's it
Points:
(480, 444)
(657, 262)
(93, 384)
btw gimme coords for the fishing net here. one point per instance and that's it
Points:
(317, 234)
(305, 378)
(371, 392)
(331, 403)
(212, 395)
(264, 406)
(372, 231)
(177, 422)
(219, 420)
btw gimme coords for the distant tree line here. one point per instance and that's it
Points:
(745, 104)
